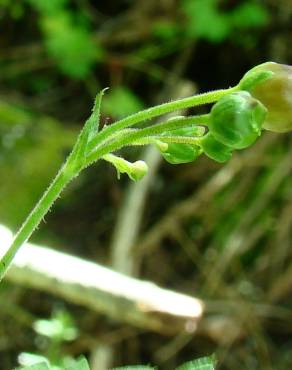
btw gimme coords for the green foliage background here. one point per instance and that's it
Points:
(229, 242)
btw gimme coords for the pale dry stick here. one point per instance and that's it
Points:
(140, 303)
(123, 299)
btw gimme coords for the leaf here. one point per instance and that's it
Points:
(48, 6)
(90, 129)
(204, 20)
(70, 44)
(81, 364)
(204, 363)
(60, 327)
(249, 14)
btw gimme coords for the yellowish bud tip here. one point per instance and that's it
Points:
(276, 95)
(138, 170)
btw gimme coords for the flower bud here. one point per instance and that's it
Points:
(236, 120)
(138, 170)
(177, 153)
(275, 93)
(215, 149)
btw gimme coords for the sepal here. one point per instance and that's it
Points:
(177, 153)
(215, 149)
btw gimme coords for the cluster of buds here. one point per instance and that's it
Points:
(236, 122)
(262, 100)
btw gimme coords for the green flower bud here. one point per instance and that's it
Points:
(177, 153)
(255, 76)
(214, 149)
(136, 171)
(236, 120)
(275, 93)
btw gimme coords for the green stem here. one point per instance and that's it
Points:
(107, 141)
(35, 217)
(191, 101)
(136, 137)
(167, 139)
(126, 137)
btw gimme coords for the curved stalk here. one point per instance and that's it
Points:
(158, 110)
(91, 147)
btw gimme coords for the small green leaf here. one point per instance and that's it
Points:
(80, 364)
(70, 44)
(30, 359)
(204, 363)
(48, 6)
(249, 14)
(90, 129)
(59, 327)
(204, 20)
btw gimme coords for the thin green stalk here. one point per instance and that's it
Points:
(35, 217)
(128, 136)
(167, 139)
(192, 101)
(136, 137)
(106, 141)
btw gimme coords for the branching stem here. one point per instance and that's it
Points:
(108, 140)
(158, 110)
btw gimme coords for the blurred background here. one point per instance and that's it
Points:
(219, 233)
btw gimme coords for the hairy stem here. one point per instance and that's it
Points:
(167, 139)
(140, 135)
(35, 217)
(192, 101)
(110, 139)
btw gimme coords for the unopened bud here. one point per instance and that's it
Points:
(236, 120)
(138, 170)
(275, 93)
(177, 153)
(215, 149)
